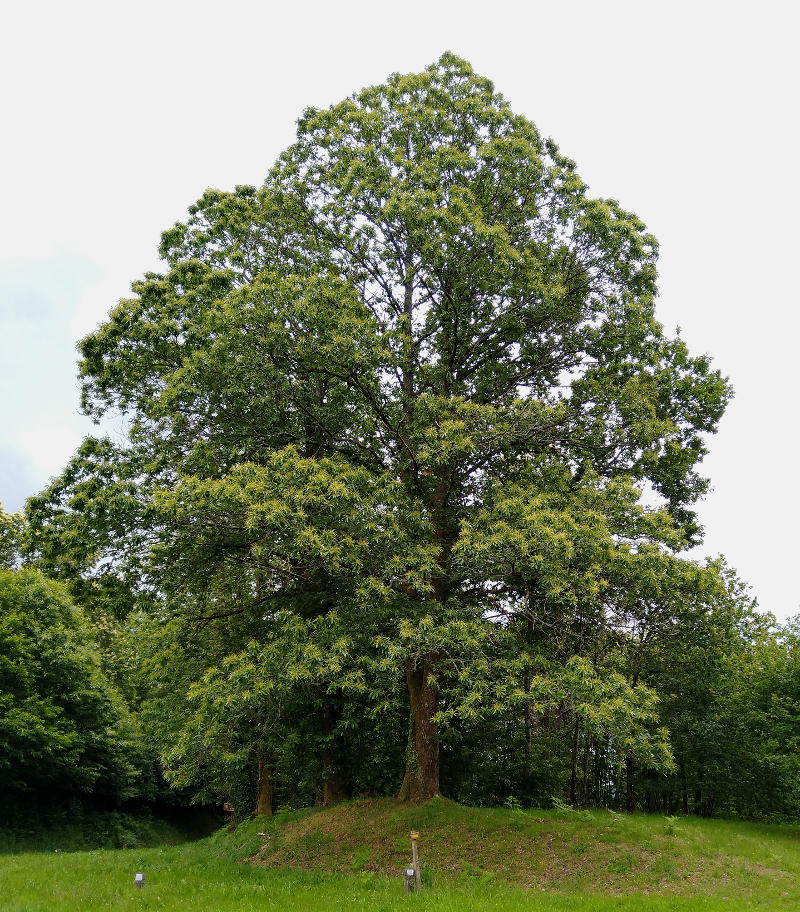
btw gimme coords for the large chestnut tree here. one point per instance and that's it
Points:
(406, 391)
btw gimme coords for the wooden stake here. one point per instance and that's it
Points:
(415, 858)
(408, 880)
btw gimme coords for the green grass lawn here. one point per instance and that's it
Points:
(473, 860)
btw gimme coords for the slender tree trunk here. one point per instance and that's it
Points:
(599, 777)
(596, 772)
(264, 800)
(573, 779)
(684, 789)
(585, 782)
(629, 760)
(421, 779)
(698, 792)
(618, 789)
(629, 784)
(526, 683)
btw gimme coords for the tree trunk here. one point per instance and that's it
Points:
(526, 683)
(264, 801)
(618, 787)
(585, 780)
(573, 779)
(421, 780)
(698, 792)
(629, 784)
(333, 788)
(684, 789)
(600, 755)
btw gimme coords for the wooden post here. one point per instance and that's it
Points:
(228, 808)
(415, 858)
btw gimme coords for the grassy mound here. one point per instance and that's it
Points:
(564, 851)
(475, 860)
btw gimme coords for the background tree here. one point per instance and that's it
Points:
(64, 730)
(12, 526)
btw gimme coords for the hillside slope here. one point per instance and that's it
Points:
(545, 849)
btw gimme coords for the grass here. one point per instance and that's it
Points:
(558, 851)
(350, 857)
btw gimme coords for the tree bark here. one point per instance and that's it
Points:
(698, 792)
(618, 788)
(684, 789)
(264, 800)
(526, 683)
(573, 779)
(600, 756)
(421, 780)
(629, 784)
(585, 780)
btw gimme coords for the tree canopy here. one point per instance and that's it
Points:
(64, 730)
(391, 417)
(12, 526)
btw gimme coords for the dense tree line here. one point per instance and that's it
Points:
(378, 526)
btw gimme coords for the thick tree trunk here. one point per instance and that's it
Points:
(333, 791)
(421, 780)
(264, 800)
(333, 788)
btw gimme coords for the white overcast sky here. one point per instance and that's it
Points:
(115, 117)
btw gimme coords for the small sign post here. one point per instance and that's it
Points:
(415, 858)
(228, 808)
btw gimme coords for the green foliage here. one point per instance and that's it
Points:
(391, 415)
(64, 730)
(88, 528)
(12, 527)
(75, 828)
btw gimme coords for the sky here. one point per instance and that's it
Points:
(116, 117)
